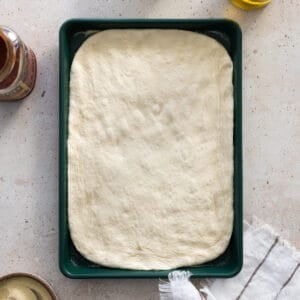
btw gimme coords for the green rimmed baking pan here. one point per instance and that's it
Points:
(72, 34)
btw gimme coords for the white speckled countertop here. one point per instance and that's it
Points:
(29, 131)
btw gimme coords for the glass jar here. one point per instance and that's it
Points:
(17, 66)
(250, 4)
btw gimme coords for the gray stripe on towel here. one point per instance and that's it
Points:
(257, 268)
(288, 280)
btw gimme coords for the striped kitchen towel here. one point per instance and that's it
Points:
(271, 271)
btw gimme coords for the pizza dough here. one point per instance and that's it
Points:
(150, 149)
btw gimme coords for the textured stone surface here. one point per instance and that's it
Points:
(29, 131)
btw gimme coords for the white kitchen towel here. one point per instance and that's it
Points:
(179, 287)
(271, 270)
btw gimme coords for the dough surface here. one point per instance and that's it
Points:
(150, 149)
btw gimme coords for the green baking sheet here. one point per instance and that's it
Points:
(72, 34)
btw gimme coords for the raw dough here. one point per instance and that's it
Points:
(150, 149)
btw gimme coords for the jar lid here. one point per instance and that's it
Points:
(250, 4)
(25, 286)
